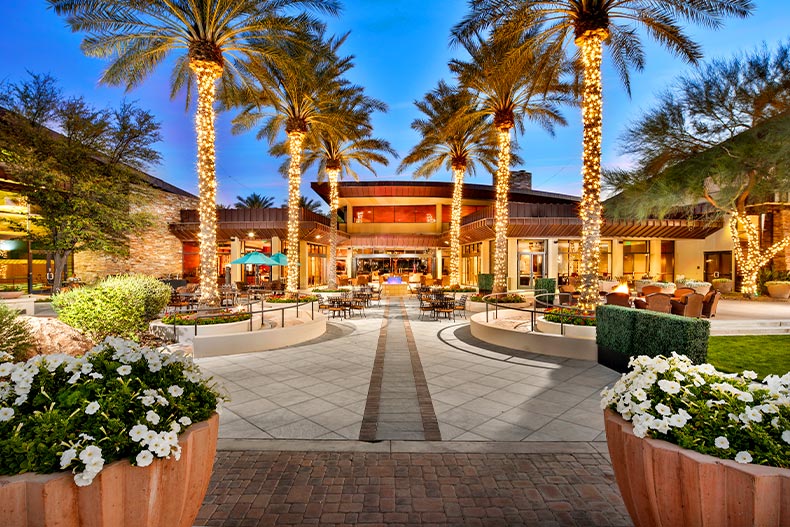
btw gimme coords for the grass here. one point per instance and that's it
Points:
(764, 354)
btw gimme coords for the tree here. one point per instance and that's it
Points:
(505, 78)
(137, 36)
(455, 137)
(335, 151)
(721, 136)
(294, 98)
(590, 24)
(79, 182)
(306, 203)
(254, 201)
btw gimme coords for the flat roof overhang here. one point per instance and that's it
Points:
(308, 230)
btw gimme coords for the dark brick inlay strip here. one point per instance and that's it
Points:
(429, 423)
(370, 418)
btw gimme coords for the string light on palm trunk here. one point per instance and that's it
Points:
(206, 74)
(295, 140)
(753, 258)
(501, 212)
(455, 225)
(590, 44)
(333, 174)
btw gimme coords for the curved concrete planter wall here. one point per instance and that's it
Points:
(534, 342)
(665, 485)
(477, 307)
(166, 493)
(555, 328)
(187, 333)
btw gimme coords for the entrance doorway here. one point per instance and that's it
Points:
(530, 267)
(718, 265)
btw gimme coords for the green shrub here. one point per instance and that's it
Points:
(633, 332)
(15, 335)
(566, 315)
(499, 299)
(548, 285)
(178, 319)
(119, 306)
(291, 300)
(485, 282)
(769, 275)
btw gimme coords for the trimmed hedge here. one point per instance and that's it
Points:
(118, 306)
(485, 282)
(624, 332)
(546, 284)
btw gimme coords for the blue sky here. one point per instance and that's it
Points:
(401, 49)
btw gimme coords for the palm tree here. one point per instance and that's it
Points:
(308, 203)
(589, 24)
(298, 96)
(456, 137)
(254, 201)
(137, 36)
(505, 78)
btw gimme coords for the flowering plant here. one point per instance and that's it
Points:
(119, 400)
(567, 315)
(699, 408)
(180, 319)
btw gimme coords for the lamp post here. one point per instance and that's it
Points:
(29, 255)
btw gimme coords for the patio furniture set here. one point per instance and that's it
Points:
(437, 304)
(347, 303)
(684, 302)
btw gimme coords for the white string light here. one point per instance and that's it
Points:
(455, 225)
(590, 44)
(751, 260)
(207, 73)
(501, 214)
(295, 140)
(332, 175)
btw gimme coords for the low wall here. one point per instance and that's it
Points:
(555, 328)
(535, 342)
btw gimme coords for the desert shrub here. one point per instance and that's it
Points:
(118, 306)
(15, 335)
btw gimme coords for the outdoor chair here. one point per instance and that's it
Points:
(709, 303)
(650, 289)
(683, 291)
(570, 293)
(460, 305)
(661, 302)
(618, 299)
(426, 306)
(446, 307)
(689, 305)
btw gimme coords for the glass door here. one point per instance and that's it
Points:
(530, 267)
(718, 265)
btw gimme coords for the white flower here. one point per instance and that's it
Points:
(124, 370)
(6, 368)
(186, 421)
(743, 457)
(147, 400)
(677, 420)
(663, 409)
(721, 442)
(137, 433)
(6, 413)
(83, 479)
(92, 408)
(90, 453)
(144, 458)
(94, 375)
(749, 374)
(670, 387)
(786, 436)
(745, 397)
(753, 414)
(152, 417)
(67, 457)
(175, 390)
(661, 425)
(73, 379)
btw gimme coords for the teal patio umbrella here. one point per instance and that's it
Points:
(255, 258)
(280, 258)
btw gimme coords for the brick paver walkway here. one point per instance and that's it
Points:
(356, 488)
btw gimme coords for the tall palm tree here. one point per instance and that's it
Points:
(293, 99)
(458, 138)
(590, 24)
(217, 34)
(510, 89)
(254, 201)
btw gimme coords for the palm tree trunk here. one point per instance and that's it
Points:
(207, 73)
(590, 210)
(455, 226)
(295, 140)
(332, 278)
(501, 215)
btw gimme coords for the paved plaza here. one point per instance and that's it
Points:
(396, 419)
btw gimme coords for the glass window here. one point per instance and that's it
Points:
(636, 258)
(667, 261)
(569, 260)
(363, 214)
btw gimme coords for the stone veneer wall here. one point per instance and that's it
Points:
(781, 229)
(155, 252)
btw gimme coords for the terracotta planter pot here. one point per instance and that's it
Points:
(8, 295)
(166, 493)
(665, 485)
(778, 290)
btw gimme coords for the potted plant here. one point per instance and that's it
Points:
(8, 292)
(778, 288)
(693, 446)
(722, 285)
(124, 432)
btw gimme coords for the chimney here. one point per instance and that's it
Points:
(520, 181)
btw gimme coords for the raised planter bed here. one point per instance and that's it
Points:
(570, 330)
(187, 333)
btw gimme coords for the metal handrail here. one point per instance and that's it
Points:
(538, 309)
